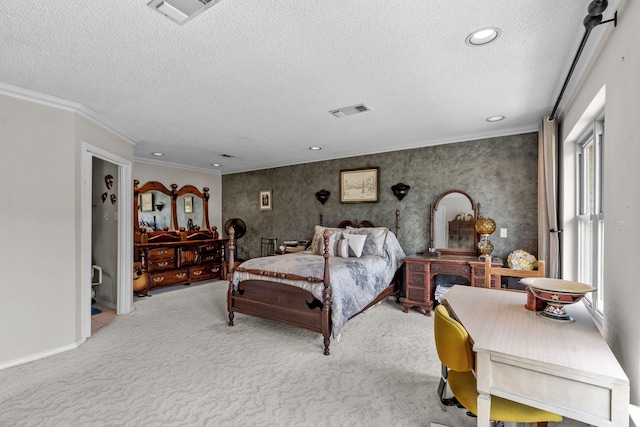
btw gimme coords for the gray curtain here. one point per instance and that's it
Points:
(548, 239)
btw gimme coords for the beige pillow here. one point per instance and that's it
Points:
(316, 247)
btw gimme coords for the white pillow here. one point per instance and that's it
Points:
(356, 243)
(333, 239)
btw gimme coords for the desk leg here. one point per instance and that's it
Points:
(483, 380)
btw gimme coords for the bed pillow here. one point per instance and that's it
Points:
(342, 248)
(376, 238)
(316, 247)
(334, 238)
(356, 243)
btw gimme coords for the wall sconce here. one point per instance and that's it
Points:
(159, 206)
(400, 190)
(323, 196)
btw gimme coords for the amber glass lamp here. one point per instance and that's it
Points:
(485, 227)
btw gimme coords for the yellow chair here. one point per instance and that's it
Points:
(454, 350)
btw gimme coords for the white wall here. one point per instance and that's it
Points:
(616, 68)
(40, 246)
(167, 175)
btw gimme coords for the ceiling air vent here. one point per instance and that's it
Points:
(181, 11)
(347, 111)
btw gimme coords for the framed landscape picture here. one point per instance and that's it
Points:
(359, 185)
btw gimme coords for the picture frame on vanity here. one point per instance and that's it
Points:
(359, 185)
(265, 200)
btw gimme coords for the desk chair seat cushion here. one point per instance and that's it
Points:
(464, 388)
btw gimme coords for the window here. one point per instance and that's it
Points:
(591, 215)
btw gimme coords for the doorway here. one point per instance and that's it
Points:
(106, 233)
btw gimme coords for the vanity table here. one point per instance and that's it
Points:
(421, 272)
(454, 244)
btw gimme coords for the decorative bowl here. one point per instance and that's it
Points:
(556, 293)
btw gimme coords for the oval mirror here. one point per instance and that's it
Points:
(453, 218)
(154, 207)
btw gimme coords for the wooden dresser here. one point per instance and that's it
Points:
(179, 263)
(421, 272)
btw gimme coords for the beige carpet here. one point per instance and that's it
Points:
(175, 362)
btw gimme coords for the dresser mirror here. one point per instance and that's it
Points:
(453, 218)
(152, 209)
(191, 209)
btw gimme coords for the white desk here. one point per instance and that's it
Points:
(566, 368)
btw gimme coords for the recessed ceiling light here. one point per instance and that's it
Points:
(157, 154)
(494, 118)
(483, 36)
(315, 148)
(216, 165)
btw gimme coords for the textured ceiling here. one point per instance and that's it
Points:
(256, 79)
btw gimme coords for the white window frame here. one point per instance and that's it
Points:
(590, 215)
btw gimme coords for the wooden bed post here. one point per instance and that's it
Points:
(232, 246)
(326, 296)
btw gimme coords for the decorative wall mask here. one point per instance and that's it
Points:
(108, 180)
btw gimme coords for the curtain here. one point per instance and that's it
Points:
(548, 239)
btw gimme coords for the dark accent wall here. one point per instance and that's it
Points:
(500, 173)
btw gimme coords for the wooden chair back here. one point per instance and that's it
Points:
(502, 271)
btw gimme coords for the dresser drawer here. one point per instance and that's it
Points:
(173, 277)
(416, 267)
(416, 279)
(207, 258)
(204, 272)
(160, 253)
(416, 294)
(461, 270)
(161, 264)
(209, 247)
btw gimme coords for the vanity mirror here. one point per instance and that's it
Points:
(191, 209)
(152, 206)
(453, 218)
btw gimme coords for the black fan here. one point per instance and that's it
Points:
(238, 225)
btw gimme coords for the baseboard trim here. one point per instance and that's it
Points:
(42, 355)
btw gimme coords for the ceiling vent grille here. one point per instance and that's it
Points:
(347, 111)
(181, 11)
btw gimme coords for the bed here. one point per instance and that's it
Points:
(321, 288)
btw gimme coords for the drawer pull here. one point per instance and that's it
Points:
(215, 270)
(197, 273)
(163, 264)
(158, 279)
(181, 275)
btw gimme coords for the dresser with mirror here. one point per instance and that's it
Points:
(452, 256)
(173, 241)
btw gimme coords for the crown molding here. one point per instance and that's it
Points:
(52, 101)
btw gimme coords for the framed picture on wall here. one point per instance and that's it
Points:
(265, 200)
(359, 185)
